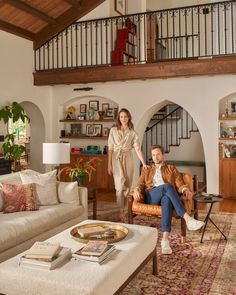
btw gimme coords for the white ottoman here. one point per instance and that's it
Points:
(81, 277)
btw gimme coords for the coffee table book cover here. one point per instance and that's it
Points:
(43, 250)
(64, 254)
(94, 248)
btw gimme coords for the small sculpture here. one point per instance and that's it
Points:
(70, 113)
(101, 114)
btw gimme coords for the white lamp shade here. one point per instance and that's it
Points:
(56, 153)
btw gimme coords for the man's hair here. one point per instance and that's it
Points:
(158, 147)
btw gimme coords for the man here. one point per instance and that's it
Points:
(158, 185)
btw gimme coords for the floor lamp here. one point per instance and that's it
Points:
(56, 154)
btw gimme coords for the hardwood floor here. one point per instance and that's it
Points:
(227, 205)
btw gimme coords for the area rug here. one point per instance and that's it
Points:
(193, 268)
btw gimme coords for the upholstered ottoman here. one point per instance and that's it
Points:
(82, 277)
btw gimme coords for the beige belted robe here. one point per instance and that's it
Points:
(121, 145)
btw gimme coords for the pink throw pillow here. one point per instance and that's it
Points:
(19, 197)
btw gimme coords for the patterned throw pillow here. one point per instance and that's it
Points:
(19, 197)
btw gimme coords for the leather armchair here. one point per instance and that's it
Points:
(140, 208)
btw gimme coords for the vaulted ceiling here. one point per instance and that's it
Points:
(40, 20)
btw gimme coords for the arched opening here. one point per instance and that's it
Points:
(36, 133)
(172, 127)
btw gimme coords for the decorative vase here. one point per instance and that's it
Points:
(80, 179)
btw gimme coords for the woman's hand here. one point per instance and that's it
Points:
(109, 170)
(145, 166)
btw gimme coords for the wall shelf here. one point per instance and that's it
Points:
(84, 137)
(88, 121)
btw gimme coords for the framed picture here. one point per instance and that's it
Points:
(105, 106)
(83, 108)
(75, 129)
(94, 129)
(120, 6)
(110, 113)
(105, 131)
(94, 104)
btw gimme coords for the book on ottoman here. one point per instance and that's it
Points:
(94, 248)
(107, 253)
(44, 263)
(44, 250)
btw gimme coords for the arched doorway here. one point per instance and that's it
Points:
(37, 135)
(172, 127)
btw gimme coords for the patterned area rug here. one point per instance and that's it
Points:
(193, 268)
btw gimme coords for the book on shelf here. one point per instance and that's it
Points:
(94, 248)
(44, 250)
(89, 231)
(99, 259)
(63, 254)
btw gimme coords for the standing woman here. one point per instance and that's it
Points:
(122, 139)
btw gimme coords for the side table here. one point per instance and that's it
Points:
(92, 198)
(212, 199)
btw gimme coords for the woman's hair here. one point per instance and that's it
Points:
(118, 123)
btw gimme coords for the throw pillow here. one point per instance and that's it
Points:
(19, 197)
(68, 193)
(45, 186)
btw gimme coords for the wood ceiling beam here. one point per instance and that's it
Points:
(16, 30)
(74, 3)
(65, 20)
(31, 10)
(159, 70)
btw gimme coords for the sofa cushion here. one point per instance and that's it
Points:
(19, 197)
(68, 192)
(19, 227)
(45, 186)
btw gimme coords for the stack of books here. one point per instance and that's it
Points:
(45, 255)
(95, 251)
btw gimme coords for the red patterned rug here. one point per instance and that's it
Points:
(193, 268)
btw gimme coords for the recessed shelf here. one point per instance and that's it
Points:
(85, 137)
(88, 121)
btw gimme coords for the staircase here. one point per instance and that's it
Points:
(168, 131)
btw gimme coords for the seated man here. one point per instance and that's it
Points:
(158, 185)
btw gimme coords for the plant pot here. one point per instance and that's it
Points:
(80, 179)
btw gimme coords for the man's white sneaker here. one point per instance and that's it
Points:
(165, 247)
(193, 224)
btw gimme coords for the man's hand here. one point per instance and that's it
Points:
(187, 194)
(136, 194)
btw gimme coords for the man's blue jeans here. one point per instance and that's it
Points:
(165, 196)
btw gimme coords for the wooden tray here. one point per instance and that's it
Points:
(120, 232)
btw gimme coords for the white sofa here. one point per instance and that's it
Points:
(19, 230)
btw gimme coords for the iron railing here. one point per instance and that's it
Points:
(186, 32)
(168, 131)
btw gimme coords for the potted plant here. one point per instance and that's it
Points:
(11, 150)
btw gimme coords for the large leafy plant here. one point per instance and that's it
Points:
(11, 150)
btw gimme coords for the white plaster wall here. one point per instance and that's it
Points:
(16, 80)
(198, 95)
(160, 4)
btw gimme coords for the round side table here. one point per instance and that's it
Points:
(211, 199)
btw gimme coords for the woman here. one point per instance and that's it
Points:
(122, 139)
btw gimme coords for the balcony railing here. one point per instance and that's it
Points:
(187, 32)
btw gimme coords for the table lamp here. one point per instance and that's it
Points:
(56, 153)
